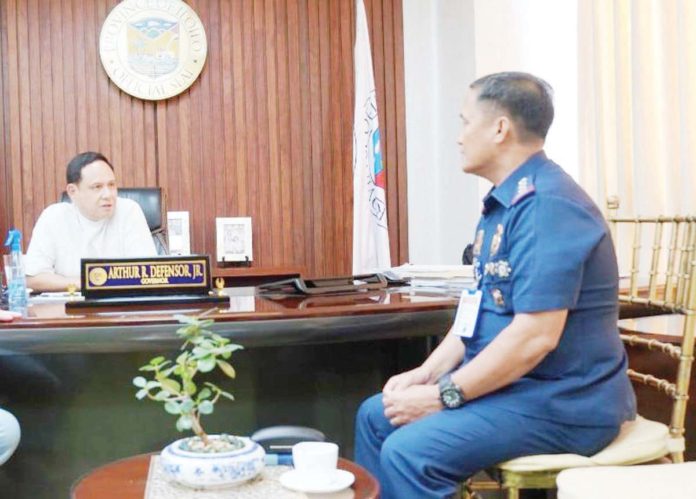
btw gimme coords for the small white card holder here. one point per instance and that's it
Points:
(467, 313)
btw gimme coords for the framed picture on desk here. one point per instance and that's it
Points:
(178, 232)
(234, 239)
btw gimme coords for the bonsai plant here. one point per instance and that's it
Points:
(177, 385)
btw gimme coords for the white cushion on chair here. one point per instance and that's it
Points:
(542, 462)
(638, 441)
(656, 481)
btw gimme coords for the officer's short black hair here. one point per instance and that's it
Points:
(74, 171)
(527, 98)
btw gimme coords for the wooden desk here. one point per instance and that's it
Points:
(253, 276)
(126, 479)
(250, 320)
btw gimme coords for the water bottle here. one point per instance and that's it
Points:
(16, 280)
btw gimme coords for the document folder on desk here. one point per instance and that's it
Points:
(328, 285)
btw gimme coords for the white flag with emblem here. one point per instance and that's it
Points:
(370, 232)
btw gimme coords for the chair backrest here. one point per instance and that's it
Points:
(662, 276)
(152, 202)
(468, 255)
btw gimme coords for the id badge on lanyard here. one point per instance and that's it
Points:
(467, 313)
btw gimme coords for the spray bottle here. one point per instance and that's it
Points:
(16, 280)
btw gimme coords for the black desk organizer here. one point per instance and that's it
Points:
(326, 286)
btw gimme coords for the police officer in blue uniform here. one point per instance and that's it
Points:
(533, 363)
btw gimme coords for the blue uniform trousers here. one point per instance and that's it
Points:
(430, 457)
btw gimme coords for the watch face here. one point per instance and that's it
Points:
(451, 398)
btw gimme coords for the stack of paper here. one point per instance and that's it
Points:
(440, 276)
(53, 297)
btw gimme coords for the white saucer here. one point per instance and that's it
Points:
(295, 481)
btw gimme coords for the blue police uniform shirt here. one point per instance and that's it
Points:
(542, 244)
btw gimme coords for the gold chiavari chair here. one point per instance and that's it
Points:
(662, 278)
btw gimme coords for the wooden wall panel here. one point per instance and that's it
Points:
(265, 132)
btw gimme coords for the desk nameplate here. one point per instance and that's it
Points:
(172, 275)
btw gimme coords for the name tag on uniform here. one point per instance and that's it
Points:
(467, 313)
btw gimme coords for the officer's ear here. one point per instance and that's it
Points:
(71, 189)
(503, 129)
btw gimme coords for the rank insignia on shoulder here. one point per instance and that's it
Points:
(525, 188)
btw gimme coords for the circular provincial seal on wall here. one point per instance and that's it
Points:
(97, 276)
(153, 49)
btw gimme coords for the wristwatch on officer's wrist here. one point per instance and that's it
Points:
(451, 395)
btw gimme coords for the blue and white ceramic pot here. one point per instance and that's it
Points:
(215, 470)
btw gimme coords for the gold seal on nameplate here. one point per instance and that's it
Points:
(153, 50)
(97, 276)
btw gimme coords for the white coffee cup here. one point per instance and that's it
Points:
(315, 462)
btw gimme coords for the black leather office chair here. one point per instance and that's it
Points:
(468, 255)
(152, 202)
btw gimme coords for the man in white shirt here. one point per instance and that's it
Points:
(96, 224)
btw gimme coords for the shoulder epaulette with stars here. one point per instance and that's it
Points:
(525, 188)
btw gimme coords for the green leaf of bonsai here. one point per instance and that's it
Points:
(139, 381)
(226, 368)
(172, 407)
(141, 394)
(204, 394)
(190, 388)
(187, 406)
(196, 340)
(162, 395)
(226, 395)
(206, 407)
(184, 423)
(207, 344)
(206, 364)
(172, 386)
(157, 361)
(201, 352)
